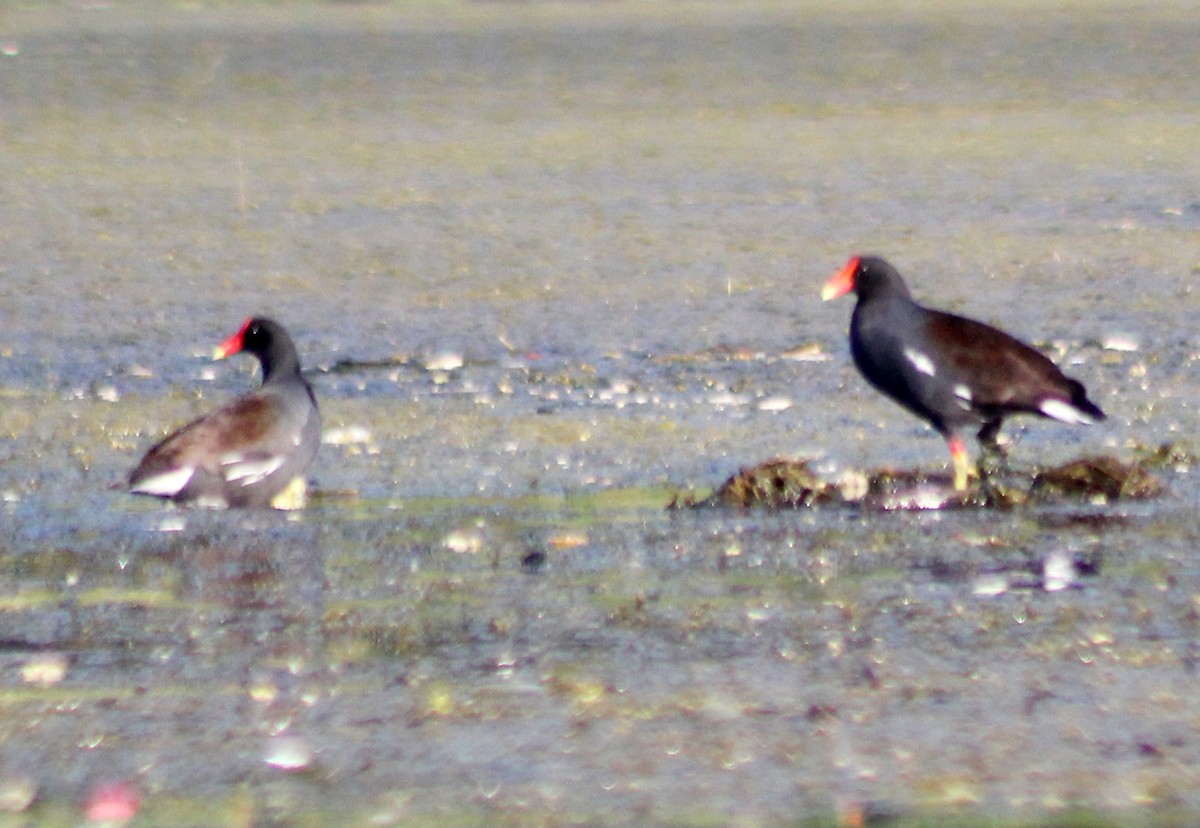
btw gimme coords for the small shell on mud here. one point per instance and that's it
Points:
(1058, 571)
(445, 361)
(927, 495)
(45, 670)
(171, 523)
(263, 692)
(346, 435)
(289, 753)
(854, 485)
(991, 585)
(463, 541)
(775, 403)
(112, 803)
(727, 399)
(1119, 342)
(809, 352)
(567, 540)
(17, 793)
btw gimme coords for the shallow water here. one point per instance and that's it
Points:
(619, 217)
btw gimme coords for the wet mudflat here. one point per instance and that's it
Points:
(553, 267)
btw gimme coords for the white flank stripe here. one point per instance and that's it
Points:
(921, 362)
(964, 396)
(1064, 412)
(165, 484)
(249, 472)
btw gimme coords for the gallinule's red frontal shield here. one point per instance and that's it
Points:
(249, 450)
(951, 371)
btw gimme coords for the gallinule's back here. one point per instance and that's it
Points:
(249, 450)
(951, 371)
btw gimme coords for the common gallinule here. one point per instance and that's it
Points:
(951, 371)
(249, 450)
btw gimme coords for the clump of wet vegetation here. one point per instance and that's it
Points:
(778, 483)
(1171, 455)
(1097, 477)
(789, 484)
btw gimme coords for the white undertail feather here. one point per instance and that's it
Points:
(1065, 412)
(166, 484)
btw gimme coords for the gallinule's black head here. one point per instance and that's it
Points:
(249, 450)
(951, 371)
(268, 341)
(867, 277)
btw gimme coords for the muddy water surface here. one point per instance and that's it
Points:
(552, 266)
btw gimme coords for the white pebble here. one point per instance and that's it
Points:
(1058, 571)
(346, 436)
(806, 353)
(775, 404)
(45, 670)
(463, 541)
(989, 586)
(727, 399)
(445, 361)
(1119, 342)
(854, 485)
(17, 793)
(289, 753)
(171, 523)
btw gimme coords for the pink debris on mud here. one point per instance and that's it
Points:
(112, 803)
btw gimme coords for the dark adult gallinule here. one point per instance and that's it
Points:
(249, 450)
(951, 371)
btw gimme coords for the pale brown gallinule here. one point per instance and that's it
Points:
(249, 450)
